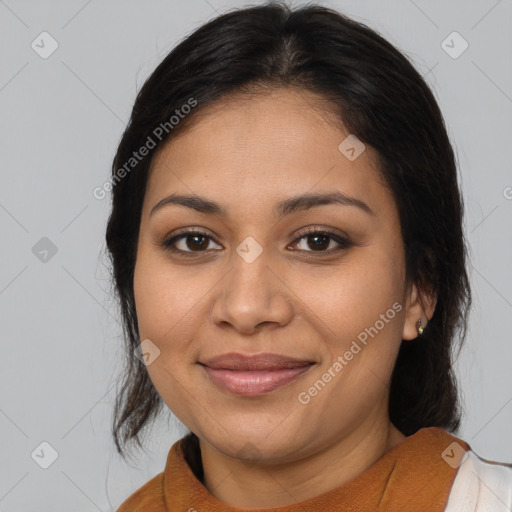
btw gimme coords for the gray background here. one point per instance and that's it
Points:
(61, 119)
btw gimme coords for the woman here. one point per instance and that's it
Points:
(287, 245)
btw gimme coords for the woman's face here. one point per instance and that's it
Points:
(333, 308)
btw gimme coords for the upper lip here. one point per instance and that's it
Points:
(266, 361)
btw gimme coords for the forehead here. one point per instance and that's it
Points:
(262, 148)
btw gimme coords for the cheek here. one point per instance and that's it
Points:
(168, 305)
(353, 296)
(166, 317)
(150, 299)
(162, 297)
(358, 313)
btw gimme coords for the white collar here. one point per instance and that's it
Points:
(481, 486)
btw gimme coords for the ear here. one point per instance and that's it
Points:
(420, 305)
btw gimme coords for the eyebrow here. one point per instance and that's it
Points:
(283, 208)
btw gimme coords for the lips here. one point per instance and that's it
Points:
(233, 361)
(252, 375)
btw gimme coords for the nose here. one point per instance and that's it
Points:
(252, 295)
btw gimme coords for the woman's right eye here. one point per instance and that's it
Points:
(188, 242)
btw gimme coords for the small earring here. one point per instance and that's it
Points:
(419, 327)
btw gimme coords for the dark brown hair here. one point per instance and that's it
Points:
(380, 97)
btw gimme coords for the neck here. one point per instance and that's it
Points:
(259, 485)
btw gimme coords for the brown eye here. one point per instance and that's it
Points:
(196, 242)
(322, 242)
(318, 241)
(191, 241)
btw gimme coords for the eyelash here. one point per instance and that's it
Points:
(344, 243)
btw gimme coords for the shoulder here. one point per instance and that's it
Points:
(151, 497)
(481, 486)
(148, 498)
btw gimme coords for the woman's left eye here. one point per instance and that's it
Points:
(315, 240)
(321, 241)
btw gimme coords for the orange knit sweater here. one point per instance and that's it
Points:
(415, 475)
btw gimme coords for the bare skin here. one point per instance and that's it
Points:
(294, 299)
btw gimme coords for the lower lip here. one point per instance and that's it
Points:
(254, 383)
